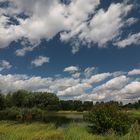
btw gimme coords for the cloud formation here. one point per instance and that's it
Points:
(108, 87)
(133, 39)
(45, 19)
(134, 72)
(23, 51)
(71, 69)
(4, 64)
(40, 60)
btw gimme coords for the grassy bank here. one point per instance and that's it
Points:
(40, 131)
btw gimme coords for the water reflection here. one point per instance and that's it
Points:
(62, 120)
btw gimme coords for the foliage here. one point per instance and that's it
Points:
(75, 105)
(46, 101)
(2, 101)
(106, 116)
(39, 131)
(25, 99)
(9, 113)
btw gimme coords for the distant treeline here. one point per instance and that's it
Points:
(48, 101)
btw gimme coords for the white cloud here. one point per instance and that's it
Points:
(74, 23)
(46, 19)
(132, 90)
(98, 29)
(120, 88)
(74, 90)
(23, 51)
(89, 71)
(119, 73)
(97, 78)
(39, 61)
(35, 83)
(133, 39)
(71, 69)
(16, 82)
(134, 72)
(131, 21)
(111, 90)
(113, 84)
(4, 64)
(76, 75)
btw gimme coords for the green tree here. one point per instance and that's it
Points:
(2, 101)
(20, 98)
(47, 101)
(107, 116)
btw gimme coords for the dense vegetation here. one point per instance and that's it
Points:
(107, 116)
(41, 131)
(42, 100)
(114, 117)
(49, 101)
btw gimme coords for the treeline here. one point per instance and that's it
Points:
(42, 100)
(25, 99)
(49, 102)
(135, 105)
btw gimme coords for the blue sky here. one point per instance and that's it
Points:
(79, 50)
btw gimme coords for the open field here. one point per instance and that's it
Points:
(39, 131)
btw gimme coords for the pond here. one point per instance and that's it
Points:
(62, 119)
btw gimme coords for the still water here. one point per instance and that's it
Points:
(63, 119)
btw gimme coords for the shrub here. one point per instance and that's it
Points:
(9, 113)
(106, 116)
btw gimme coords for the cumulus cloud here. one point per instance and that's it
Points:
(39, 61)
(15, 82)
(76, 75)
(4, 64)
(97, 78)
(23, 51)
(115, 83)
(35, 83)
(98, 29)
(74, 90)
(123, 88)
(134, 72)
(89, 71)
(111, 90)
(133, 39)
(45, 19)
(132, 91)
(71, 69)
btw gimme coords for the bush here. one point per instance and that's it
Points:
(9, 113)
(107, 116)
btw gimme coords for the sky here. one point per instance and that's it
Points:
(77, 49)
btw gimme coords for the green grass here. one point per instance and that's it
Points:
(40, 131)
(134, 114)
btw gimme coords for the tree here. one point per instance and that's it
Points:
(106, 116)
(66, 105)
(8, 98)
(77, 105)
(2, 101)
(87, 105)
(20, 98)
(47, 101)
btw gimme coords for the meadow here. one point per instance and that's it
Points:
(41, 131)
(11, 130)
